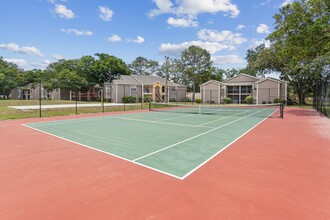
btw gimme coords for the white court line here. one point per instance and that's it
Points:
(196, 136)
(162, 122)
(214, 155)
(139, 164)
(200, 125)
(114, 155)
(176, 117)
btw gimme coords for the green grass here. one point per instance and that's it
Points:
(10, 113)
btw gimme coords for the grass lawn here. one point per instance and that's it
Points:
(11, 113)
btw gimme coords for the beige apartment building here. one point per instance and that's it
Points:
(263, 90)
(142, 87)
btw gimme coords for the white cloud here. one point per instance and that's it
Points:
(164, 7)
(114, 38)
(286, 2)
(64, 12)
(263, 29)
(182, 22)
(194, 7)
(57, 57)
(226, 36)
(77, 32)
(13, 47)
(105, 13)
(46, 62)
(139, 40)
(19, 62)
(240, 27)
(176, 49)
(257, 42)
(228, 59)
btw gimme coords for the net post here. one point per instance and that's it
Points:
(282, 110)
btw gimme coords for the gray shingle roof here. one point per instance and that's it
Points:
(145, 80)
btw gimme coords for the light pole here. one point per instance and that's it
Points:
(166, 78)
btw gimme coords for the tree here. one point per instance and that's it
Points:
(196, 65)
(64, 74)
(301, 37)
(107, 68)
(10, 75)
(256, 61)
(217, 74)
(143, 66)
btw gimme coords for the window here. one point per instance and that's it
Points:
(233, 89)
(173, 89)
(246, 89)
(133, 91)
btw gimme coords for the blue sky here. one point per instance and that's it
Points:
(35, 33)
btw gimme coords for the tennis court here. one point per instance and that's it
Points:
(173, 139)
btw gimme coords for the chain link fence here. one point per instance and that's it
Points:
(321, 96)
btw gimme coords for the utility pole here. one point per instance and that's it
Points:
(166, 78)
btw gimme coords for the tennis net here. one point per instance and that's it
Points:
(274, 110)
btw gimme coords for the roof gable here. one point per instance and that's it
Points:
(212, 81)
(241, 78)
(271, 79)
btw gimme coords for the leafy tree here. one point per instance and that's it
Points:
(301, 36)
(143, 66)
(65, 75)
(256, 61)
(10, 75)
(196, 65)
(107, 68)
(217, 74)
(300, 39)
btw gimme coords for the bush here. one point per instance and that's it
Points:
(249, 99)
(263, 102)
(290, 102)
(227, 100)
(282, 101)
(172, 100)
(147, 98)
(129, 99)
(198, 101)
(186, 99)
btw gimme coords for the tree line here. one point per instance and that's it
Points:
(299, 52)
(192, 68)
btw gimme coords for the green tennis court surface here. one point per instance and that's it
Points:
(172, 142)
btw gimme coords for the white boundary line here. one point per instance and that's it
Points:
(152, 168)
(161, 122)
(228, 145)
(84, 145)
(202, 125)
(196, 136)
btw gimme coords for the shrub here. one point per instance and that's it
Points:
(131, 99)
(125, 99)
(128, 99)
(277, 100)
(263, 102)
(227, 100)
(186, 99)
(198, 101)
(172, 100)
(147, 98)
(282, 101)
(249, 99)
